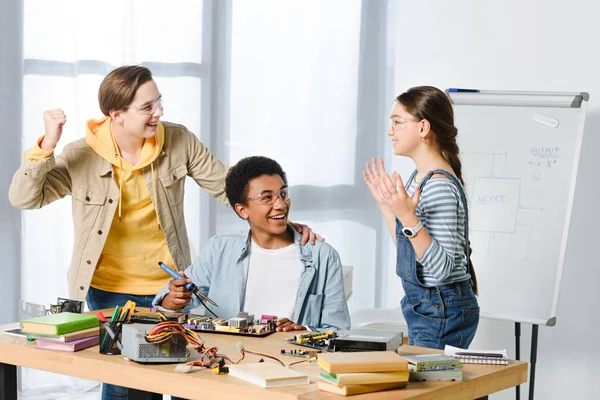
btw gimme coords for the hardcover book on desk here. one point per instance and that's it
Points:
(350, 390)
(67, 337)
(365, 378)
(75, 345)
(368, 361)
(266, 374)
(59, 324)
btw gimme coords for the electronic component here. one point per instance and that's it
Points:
(32, 310)
(149, 317)
(315, 340)
(243, 324)
(249, 317)
(431, 362)
(366, 340)
(446, 375)
(220, 371)
(136, 348)
(300, 353)
(66, 305)
(265, 319)
(238, 322)
(312, 336)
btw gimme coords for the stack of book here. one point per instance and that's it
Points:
(498, 357)
(64, 331)
(362, 372)
(434, 367)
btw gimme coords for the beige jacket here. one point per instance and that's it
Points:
(80, 172)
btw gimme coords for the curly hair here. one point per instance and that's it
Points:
(240, 175)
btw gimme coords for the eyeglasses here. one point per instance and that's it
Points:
(150, 107)
(400, 123)
(269, 197)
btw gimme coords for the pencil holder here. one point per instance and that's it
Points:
(110, 338)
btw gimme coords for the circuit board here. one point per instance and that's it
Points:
(315, 340)
(300, 353)
(244, 324)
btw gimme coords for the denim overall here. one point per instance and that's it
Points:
(436, 316)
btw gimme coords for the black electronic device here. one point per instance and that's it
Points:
(66, 305)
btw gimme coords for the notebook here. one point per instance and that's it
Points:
(350, 390)
(364, 378)
(15, 332)
(75, 345)
(59, 324)
(364, 361)
(499, 357)
(266, 374)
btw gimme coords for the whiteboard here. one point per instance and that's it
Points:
(520, 154)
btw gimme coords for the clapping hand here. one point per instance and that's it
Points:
(390, 191)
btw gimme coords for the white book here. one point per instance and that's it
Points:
(266, 374)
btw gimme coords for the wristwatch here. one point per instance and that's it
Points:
(411, 232)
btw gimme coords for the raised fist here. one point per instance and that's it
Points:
(53, 122)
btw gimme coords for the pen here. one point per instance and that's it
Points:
(101, 317)
(457, 90)
(115, 315)
(466, 353)
(127, 310)
(124, 316)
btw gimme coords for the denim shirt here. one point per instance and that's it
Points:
(221, 273)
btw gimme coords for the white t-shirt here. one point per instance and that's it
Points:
(273, 279)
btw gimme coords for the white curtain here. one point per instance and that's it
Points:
(308, 83)
(311, 84)
(68, 47)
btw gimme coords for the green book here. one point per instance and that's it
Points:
(365, 378)
(59, 324)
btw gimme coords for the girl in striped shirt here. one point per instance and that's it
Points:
(428, 219)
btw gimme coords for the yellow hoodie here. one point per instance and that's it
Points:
(135, 242)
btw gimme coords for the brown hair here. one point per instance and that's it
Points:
(430, 103)
(119, 87)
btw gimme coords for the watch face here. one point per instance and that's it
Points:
(407, 232)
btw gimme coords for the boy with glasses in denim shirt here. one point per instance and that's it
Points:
(244, 272)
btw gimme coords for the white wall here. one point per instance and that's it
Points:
(524, 45)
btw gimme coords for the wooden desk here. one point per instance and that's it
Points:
(480, 380)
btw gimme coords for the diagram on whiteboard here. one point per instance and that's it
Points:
(520, 154)
(498, 201)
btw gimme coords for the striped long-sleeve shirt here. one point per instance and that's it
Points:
(442, 213)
